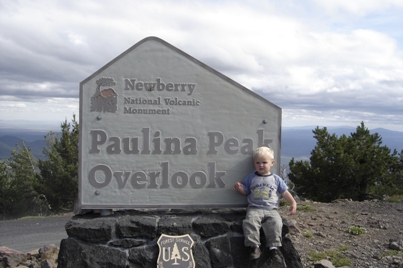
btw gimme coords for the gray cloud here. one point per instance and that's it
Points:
(318, 65)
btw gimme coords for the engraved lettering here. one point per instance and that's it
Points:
(129, 84)
(247, 147)
(198, 180)
(165, 183)
(121, 181)
(232, 145)
(180, 180)
(101, 176)
(139, 180)
(139, 86)
(134, 84)
(131, 110)
(172, 142)
(215, 176)
(114, 146)
(155, 144)
(261, 140)
(106, 174)
(191, 146)
(215, 140)
(181, 102)
(98, 137)
(142, 101)
(130, 145)
(153, 180)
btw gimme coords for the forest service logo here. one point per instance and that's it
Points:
(175, 251)
(105, 98)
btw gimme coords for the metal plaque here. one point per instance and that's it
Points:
(175, 251)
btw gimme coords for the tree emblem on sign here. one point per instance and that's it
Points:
(175, 254)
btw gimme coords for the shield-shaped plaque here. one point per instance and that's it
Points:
(175, 251)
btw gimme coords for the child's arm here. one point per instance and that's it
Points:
(239, 187)
(293, 205)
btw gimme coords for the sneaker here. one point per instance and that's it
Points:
(254, 253)
(276, 257)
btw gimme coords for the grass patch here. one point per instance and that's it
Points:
(305, 208)
(392, 253)
(395, 198)
(356, 230)
(342, 248)
(308, 234)
(336, 257)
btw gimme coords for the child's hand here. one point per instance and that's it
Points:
(293, 209)
(288, 197)
(239, 187)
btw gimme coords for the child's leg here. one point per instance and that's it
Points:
(272, 226)
(251, 227)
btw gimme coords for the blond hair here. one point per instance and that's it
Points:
(263, 151)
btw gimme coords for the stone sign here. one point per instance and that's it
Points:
(159, 128)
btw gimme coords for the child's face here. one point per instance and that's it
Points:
(263, 163)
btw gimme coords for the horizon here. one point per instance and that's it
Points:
(54, 126)
(43, 126)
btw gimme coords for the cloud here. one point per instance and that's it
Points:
(329, 61)
(357, 7)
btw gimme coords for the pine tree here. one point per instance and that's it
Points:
(22, 178)
(59, 171)
(356, 167)
(6, 197)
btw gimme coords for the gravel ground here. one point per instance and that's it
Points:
(321, 227)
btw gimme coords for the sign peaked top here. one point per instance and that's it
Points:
(158, 41)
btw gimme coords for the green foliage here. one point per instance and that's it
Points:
(59, 171)
(392, 253)
(356, 167)
(18, 179)
(336, 257)
(342, 248)
(6, 198)
(308, 234)
(395, 198)
(29, 185)
(305, 208)
(356, 230)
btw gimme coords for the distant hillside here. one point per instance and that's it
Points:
(10, 138)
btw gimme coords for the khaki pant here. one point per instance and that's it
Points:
(271, 223)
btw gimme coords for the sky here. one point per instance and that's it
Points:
(325, 63)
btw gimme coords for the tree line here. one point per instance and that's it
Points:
(357, 167)
(30, 186)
